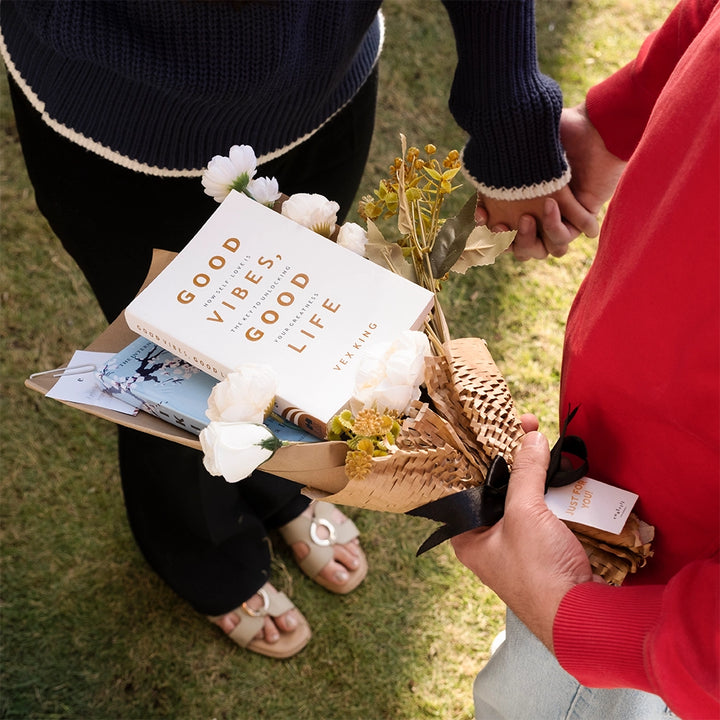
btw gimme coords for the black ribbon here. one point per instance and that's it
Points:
(484, 505)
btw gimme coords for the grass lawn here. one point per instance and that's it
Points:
(88, 632)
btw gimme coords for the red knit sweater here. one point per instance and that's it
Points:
(641, 360)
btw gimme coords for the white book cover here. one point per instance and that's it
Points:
(255, 287)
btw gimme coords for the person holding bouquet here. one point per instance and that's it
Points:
(641, 363)
(119, 107)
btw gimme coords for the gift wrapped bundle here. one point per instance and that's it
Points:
(407, 419)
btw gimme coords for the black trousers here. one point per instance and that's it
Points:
(205, 537)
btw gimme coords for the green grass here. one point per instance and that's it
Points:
(88, 632)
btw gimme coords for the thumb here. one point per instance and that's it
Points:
(530, 465)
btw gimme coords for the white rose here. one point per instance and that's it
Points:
(264, 190)
(353, 237)
(245, 395)
(236, 450)
(390, 374)
(312, 211)
(224, 173)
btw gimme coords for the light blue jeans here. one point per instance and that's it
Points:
(524, 681)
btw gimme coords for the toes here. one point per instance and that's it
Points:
(348, 555)
(270, 631)
(274, 627)
(287, 622)
(335, 573)
(301, 550)
(227, 622)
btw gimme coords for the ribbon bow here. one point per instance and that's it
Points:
(484, 505)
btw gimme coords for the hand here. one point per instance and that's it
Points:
(595, 170)
(548, 224)
(529, 557)
(545, 225)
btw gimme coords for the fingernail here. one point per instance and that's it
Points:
(290, 622)
(341, 576)
(534, 439)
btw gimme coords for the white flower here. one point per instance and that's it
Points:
(312, 211)
(353, 237)
(236, 450)
(224, 174)
(264, 190)
(245, 395)
(390, 374)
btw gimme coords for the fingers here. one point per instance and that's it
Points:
(544, 226)
(529, 422)
(556, 230)
(481, 214)
(577, 216)
(527, 245)
(530, 465)
(557, 234)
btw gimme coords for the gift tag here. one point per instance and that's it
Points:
(592, 503)
(77, 383)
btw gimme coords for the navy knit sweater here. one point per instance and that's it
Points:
(161, 86)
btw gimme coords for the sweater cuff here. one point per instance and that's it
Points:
(524, 192)
(600, 630)
(510, 110)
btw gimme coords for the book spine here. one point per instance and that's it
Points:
(173, 417)
(299, 417)
(183, 351)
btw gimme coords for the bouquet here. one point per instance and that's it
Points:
(431, 429)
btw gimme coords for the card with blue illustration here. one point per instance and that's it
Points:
(158, 382)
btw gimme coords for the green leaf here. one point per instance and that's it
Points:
(451, 238)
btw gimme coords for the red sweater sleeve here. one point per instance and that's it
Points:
(620, 106)
(647, 637)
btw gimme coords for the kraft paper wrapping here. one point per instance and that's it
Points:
(444, 452)
(614, 556)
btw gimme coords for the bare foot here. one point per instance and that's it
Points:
(345, 557)
(272, 628)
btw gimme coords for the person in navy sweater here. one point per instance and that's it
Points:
(119, 107)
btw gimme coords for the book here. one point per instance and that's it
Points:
(154, 380)
(253, 286)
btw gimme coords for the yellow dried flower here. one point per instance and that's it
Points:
(391, 202)
(366, 445)
(368, 209)
(413, 194)
(357, 465)
(341, 426)
(423, 183)
(369, 422)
